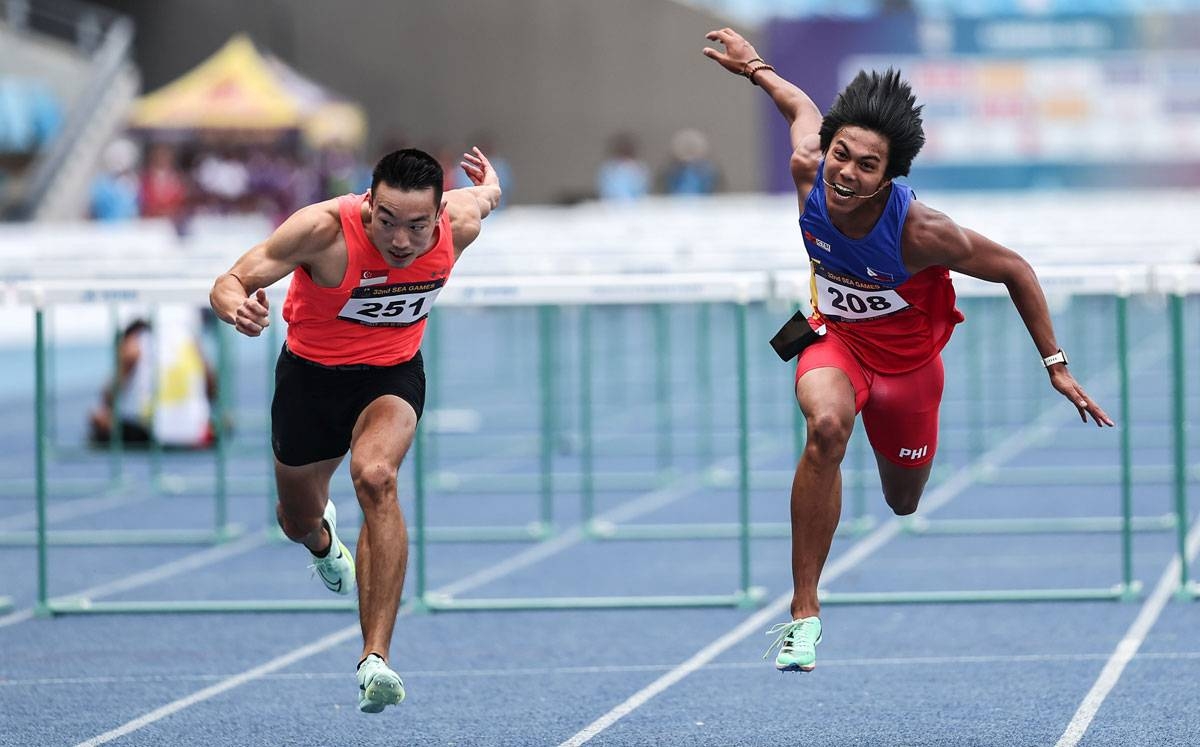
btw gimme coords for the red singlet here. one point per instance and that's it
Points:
(376, 316)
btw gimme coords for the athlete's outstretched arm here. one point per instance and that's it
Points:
(931, 238)
(470, 205)
(740, 58)
(802, 115)
(238, 297)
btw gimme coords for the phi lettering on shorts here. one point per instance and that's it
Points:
(914, 453)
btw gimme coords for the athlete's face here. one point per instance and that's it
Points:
(854, 168)
(402, 223)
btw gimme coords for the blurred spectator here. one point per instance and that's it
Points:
(30, 116)
(691, 171)
(165, 386)
(623, 176)
(164, 189)
(115, 188)
(222, 179)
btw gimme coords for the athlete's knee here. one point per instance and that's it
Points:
(904, 501)
(296, 524)
(828, 434)
(903, 495)
(374, 482)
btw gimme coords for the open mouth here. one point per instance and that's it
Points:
(841, 191)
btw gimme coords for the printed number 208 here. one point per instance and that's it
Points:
(857, 304)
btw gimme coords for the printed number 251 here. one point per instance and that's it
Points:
(375, 309)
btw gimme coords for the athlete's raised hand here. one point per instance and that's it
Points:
(254, 315)
(1062, 380)
(478, 169)
(738, 52)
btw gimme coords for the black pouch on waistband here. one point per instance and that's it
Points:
(794, 336)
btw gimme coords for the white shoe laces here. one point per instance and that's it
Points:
(791, 636)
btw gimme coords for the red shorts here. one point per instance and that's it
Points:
(899, 411)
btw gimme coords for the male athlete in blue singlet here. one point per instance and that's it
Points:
(881, 285)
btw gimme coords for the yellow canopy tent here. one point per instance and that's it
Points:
(239, 90)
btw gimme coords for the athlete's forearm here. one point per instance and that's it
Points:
(1030, 302)
(791, 102)
(487, 196)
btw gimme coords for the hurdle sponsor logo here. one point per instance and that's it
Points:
(808, 236)
(373, 277)
(914, 454)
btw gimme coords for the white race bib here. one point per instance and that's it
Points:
(845, 298)
(397, 305)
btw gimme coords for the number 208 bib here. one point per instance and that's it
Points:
(843, 297)
(397, 305)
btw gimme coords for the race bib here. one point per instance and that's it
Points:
(397, 305)
(846, 298)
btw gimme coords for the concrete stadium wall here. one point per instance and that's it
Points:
(551, 79)
(56, 64)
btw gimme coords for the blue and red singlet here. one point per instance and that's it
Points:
(376, 316)
(892, 321)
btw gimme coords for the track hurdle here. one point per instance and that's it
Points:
(40, 295)
(736, 290)
(1120, 284)
(1180, 281)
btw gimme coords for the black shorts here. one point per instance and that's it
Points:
(316, 406)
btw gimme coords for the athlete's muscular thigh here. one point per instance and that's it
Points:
(901, 414)
(826, 397)
(901, 421)
(382, 436)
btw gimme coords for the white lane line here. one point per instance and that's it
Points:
(940, 496)
(75, 508)
(644, 503)
(1129, 644)
(991, 660)
(277, 663)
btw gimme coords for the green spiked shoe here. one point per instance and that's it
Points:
(378, 686)
(797, 643)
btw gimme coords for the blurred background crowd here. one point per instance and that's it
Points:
(188, 128)
(110, 109)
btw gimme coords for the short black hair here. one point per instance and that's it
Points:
(882, 103)
(411, 170)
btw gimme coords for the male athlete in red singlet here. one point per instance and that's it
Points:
(880, 262)
(367, 270)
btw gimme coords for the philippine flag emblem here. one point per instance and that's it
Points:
(886, 277)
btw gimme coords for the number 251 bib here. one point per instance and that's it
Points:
(397, 305)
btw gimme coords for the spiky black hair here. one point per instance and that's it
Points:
(883, 103)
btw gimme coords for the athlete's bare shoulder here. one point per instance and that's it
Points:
(308, 233)
(930, 237)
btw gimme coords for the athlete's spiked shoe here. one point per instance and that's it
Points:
(797, 642)
(378, 685)
(336, 569)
